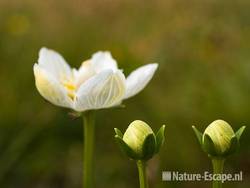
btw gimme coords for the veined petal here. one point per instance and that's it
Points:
(138, 79)
(103, 90)
(102, 61)
(54, 63)
(50, 88)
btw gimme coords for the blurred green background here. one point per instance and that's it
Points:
(202, 47)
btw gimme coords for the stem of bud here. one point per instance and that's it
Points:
(141, 165)
(218, 165)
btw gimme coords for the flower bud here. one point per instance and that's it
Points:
(220, 133)
(139, 141)
(136, 134)
(219, 139)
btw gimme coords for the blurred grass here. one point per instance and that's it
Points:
(203, 52)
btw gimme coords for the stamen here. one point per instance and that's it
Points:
(71, 87)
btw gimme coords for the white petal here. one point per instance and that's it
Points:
(102, 61)
(138, 79)
(85, 72)
(54, 63)
(50, 88)
(103, 90)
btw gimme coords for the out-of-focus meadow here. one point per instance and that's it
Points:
(202, 47)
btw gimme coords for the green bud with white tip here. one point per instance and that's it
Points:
(219, 139)
(139, 141)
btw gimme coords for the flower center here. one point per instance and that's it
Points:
(70, 87)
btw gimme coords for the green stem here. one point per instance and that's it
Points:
(141, 165)
(89, 135)
(218, 164)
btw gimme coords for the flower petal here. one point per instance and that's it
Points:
(103, 90)
(50, 88)
(85, 72)
(54, 63)
(102, 61)
(138, 79)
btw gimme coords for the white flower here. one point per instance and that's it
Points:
(98, 83)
